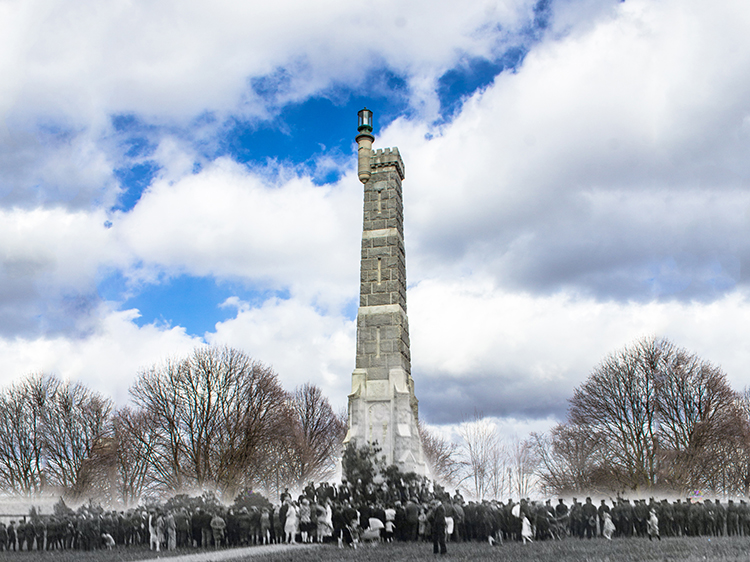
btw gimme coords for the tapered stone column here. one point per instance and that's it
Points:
(382, 405)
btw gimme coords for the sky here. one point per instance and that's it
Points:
(181, 173)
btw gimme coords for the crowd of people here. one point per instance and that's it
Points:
(347, 514)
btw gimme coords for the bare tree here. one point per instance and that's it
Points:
(499, 470)
(136, 439)
(21, 443)
(732, 453)
(76, 419)
(618, 401)
(48, 430)
(664, 416)
(217, 412)
(524, 463)
(697, 414)
(442, 456)
(478, 448)
(316, 435)
(570, 459)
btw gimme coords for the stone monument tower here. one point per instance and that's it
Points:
(382, 405)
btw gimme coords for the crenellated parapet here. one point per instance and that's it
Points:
(385, 157)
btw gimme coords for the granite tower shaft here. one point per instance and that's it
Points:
(382, 404)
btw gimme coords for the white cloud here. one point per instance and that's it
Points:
(67, 246)
(614, 149)
(181, 58)
(301, 343)
(510, 354)
(228, 222)
(49, 261)
(106, 360)
(68, 66)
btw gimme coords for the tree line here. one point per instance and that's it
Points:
(215, 419)
(651, 416)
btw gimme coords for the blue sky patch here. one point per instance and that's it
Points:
(462, 81)
(188, 301)
(134, 181)
(323, 126)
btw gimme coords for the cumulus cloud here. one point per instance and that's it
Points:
(49, 260)
(517, 355)
(183, 58)
(70, 67)
(615, 156)
(299, 341)
(106, 360)
(228, 222)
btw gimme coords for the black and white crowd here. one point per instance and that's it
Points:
(348, 514)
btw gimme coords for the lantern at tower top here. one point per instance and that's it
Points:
(364, 144)
(364, 124)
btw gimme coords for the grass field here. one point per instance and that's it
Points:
(573, 550)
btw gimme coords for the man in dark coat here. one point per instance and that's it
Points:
(436, 518)
(679, 518)
(640, 517)
(732, 519)
(459, 532)
(23, 535)
(3, 537)
(589, 516)
(412, 520)
(577, 528)
(12, 536)
(182, 527)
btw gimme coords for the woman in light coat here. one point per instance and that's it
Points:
(292, 521)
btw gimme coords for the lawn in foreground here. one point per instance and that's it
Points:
(724, 549)
(573, 550)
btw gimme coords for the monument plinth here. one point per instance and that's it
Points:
(382, 405)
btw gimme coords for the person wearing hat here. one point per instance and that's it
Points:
(436, 517)
(12, 536)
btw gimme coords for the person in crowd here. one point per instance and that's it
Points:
(182, 527)
(305, 516)
(12, 536)
(350, 520)
(108, 541)
(411, 509)
(279, 520)
(589, 517)
(325, 520)
(170, 530)
(265, 526)
(608, 527)
(653, 525)
(527, 533)
(423, 524)
(155, 526)
(218, 529)
(436, 518)
(291, 523)
(3, 537)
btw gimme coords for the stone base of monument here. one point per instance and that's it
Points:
(383, 412)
